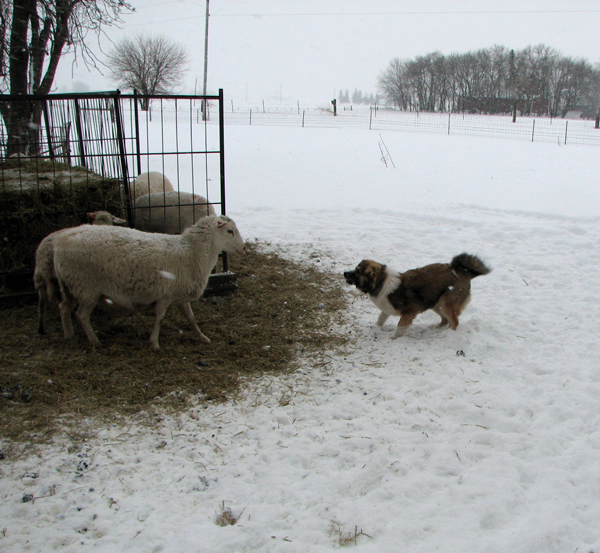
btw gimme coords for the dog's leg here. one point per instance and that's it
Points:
(453, 320)
(451, 306)
(444, 320)
(382, 318)
(404, 322)
(450, 312)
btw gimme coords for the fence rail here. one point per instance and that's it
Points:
(562, 131)
(64, 156)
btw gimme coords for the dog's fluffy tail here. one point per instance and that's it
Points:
(470, 263)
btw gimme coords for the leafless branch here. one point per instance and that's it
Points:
(148, 64)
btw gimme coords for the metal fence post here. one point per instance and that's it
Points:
(79, 133)
(222, 162)
(222, 150)
(137, 132)
(123, 158)
(533, 130)
(566, 126)
(48, 129)
(449, 122)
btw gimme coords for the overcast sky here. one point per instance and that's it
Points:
(307, 50)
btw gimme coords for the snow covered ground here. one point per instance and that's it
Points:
(485, 439)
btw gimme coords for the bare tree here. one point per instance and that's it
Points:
(393, 84)
(591, 100)
(537, 79)
(35, 34)
(148, 64)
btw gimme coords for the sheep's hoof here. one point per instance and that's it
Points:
(154, 347)
(202, 337)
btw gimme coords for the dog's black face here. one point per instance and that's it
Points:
(350, 277)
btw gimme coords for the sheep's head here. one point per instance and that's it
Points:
(231, 239)
(105, 218)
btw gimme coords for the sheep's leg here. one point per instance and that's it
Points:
(42, 302)
(186, 309)
(46, 293)
(160, 309)
(65, 307)
(83, 314)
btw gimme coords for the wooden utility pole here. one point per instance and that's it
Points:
(204, 111)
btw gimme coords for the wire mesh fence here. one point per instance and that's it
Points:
(63, 157)
(562, 131)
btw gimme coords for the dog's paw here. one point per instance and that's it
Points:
(398, 333)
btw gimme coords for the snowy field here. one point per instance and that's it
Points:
(481, 440)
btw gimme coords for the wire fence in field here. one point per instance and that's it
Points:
(562, 131)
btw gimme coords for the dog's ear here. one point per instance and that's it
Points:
(372, 269)
(363, 266)
(377, 274)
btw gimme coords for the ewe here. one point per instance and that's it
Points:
(137, 269)
(170, 212)
(44, 278)
(105, 218)
(148, 183)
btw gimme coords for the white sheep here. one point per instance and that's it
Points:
(44, 278)
(170, 212)
(105, 218)
(151, 182)
(137, 270)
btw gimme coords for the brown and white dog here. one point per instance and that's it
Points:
(443, 287)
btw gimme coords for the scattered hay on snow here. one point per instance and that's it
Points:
(282, 311)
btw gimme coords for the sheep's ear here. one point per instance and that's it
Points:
(92, 215)
(118, 221)
(221, 223)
